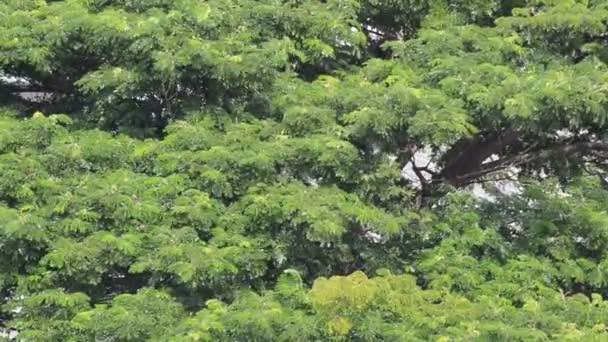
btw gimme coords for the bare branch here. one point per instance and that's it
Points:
(417, 171)
(532, 153)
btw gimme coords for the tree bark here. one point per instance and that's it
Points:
(465, 159)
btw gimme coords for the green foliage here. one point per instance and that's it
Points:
(157, 59)
(239, 170)
(391, 307)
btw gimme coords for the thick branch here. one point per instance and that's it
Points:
(466, 158)
(467, 164)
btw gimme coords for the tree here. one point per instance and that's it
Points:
(253, 170)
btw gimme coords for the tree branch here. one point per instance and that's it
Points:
(465, 159)
(465, 167)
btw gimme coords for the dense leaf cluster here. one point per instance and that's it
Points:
(239, 170)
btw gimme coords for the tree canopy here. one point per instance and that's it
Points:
(304, 170)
